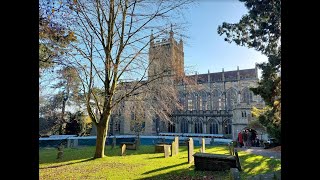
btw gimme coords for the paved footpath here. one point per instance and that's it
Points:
(262, 152)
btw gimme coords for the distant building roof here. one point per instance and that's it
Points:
(228, 75)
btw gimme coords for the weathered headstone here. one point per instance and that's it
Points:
(237, 160)
(190, 151)
(166, 150)
(176, 140)
(123, 149)
(231, 149)
(173, 148)
(234, 174)
(203, 145)
(60, 151)
(214, 162)
(114, 142)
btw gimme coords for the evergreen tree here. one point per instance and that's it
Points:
(261, 29)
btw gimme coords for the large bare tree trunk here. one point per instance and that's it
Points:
(101, 141)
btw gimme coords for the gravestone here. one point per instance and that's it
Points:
(123, 149)
(60, 151)
(203, 145)
(176, 140)
(231, 149)
(173, 148)
(214, 162)
(234, 174)
(114, 141)
(237, 160)
(166, 150)
(190, 151)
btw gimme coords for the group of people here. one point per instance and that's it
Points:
(248, 138)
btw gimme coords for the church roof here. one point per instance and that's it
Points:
(228, 75)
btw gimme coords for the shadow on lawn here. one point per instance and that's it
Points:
(90, 159)
(116, 151)
(143, 149)
(188, 173)
(164, 168)
(71, 154)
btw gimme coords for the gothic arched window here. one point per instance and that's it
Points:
(171, 127)
(198, 127)
(204, 101)
(246, 96)
(228, 127)
(231, 98)
(213, 127)
(216, 99)
(184, 126)
(191, 102)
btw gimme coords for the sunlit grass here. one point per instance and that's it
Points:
(139, 164)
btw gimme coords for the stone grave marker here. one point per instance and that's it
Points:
(237, 160)
(166, 150)
(60, 151)
(234, 174)
(203, 145)
(123, 149)
(176, 140)
(190, 151)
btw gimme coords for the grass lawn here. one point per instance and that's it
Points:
(141, 164)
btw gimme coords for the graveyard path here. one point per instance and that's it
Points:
(263, 152)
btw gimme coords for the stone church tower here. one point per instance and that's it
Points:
(166, 57)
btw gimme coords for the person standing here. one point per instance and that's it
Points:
(249, 138)
(245, 138)
(240, 140)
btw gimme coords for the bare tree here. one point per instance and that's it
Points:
(112, 43)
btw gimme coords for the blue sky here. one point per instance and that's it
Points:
(205, 49)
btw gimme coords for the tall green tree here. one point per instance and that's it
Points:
(261, 29)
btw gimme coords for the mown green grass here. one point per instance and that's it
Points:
(140, 164)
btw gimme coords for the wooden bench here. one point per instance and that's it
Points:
(130, 145)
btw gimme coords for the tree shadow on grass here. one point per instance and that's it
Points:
(116, 151)
(190, 173)
(70, 154)
(143, 149)
(158, 157)
(60, 165)
(164, 168)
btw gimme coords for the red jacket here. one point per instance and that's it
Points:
(240, 137)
